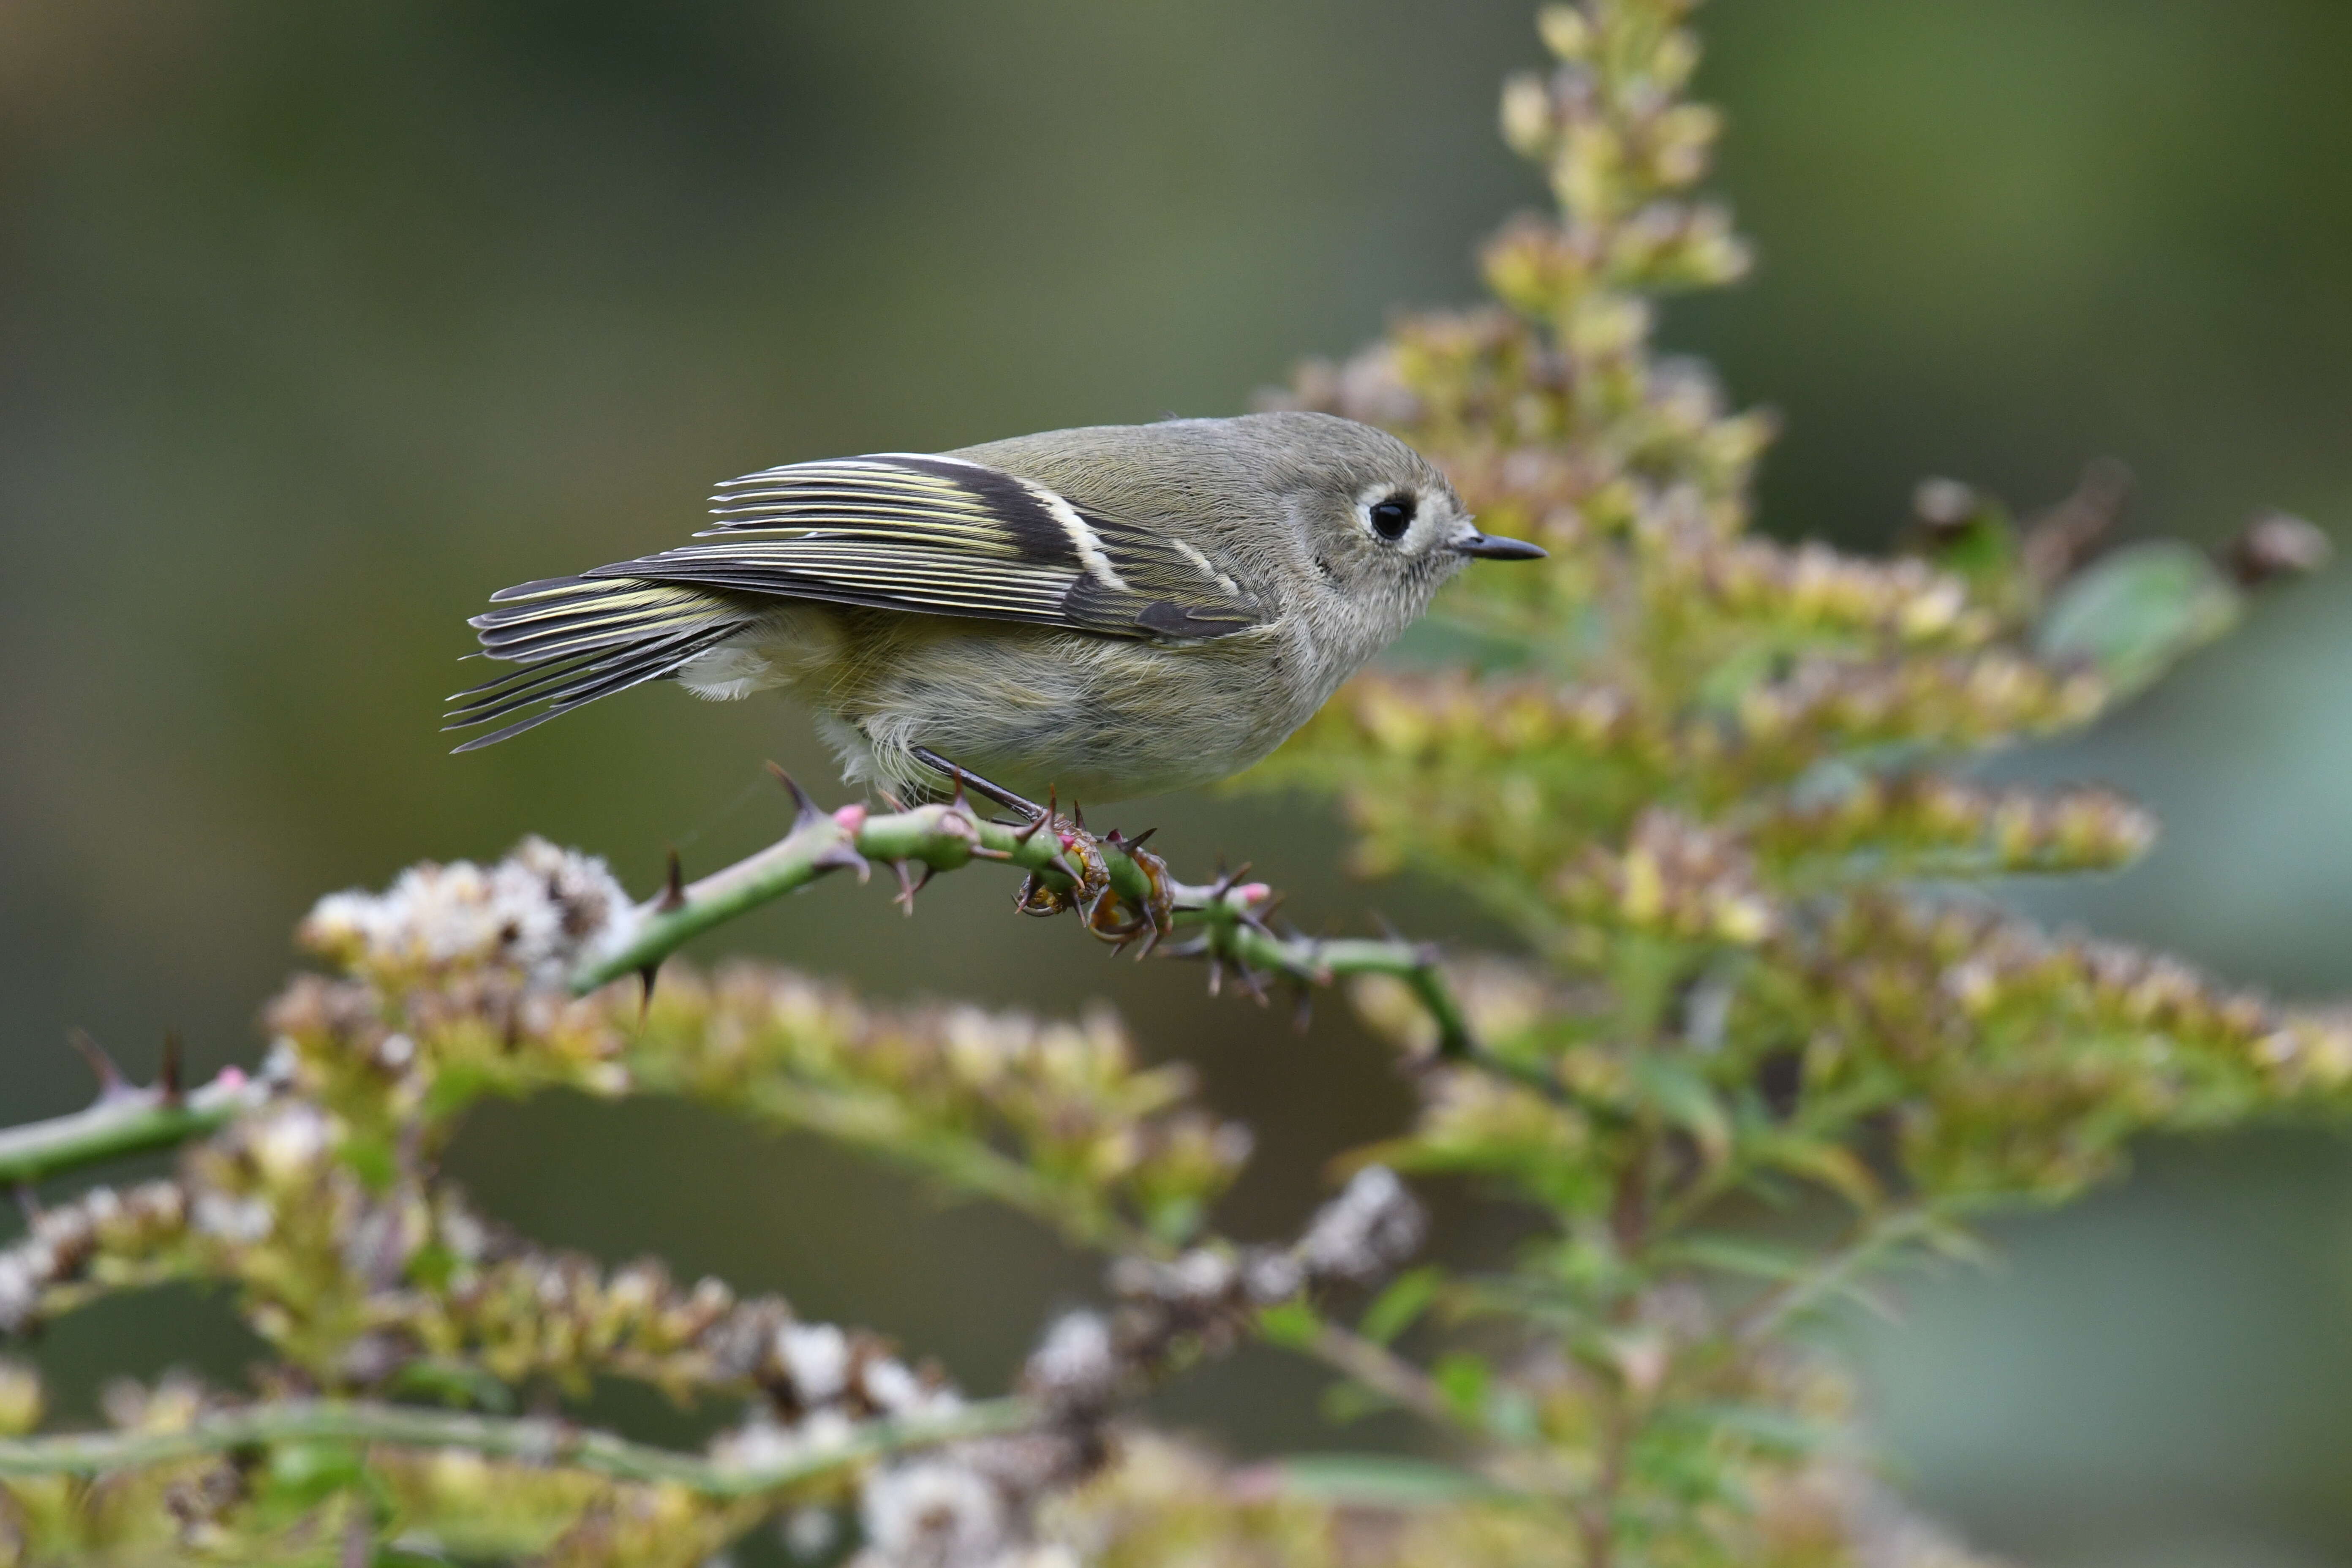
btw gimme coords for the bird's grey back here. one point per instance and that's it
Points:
(1226, 478)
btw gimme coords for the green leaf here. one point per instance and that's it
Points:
(1345, 1403)
(1983, 548)
(1739, 1254)
(1292, 1325)
(1175, 1219)
(1513, 1415)
(1669, 1085)
(1833, 1165)
(1379, 1480)
(1396, 1307)
(1464, 1379)
(301, 1475)
(1779, 1431)
(2135, 612)
(452, 1381)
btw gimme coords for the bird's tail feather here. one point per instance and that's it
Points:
(579, 639)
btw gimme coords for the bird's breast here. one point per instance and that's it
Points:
(1096, 718)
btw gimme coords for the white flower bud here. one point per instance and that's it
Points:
(817, 1357)
(1077, 1364)
(932, 1513)
(1366, 1230)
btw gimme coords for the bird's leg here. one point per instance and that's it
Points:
(967, 779)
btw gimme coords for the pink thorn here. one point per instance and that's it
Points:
(231, 1078)
(1253, 892)
(851, 816)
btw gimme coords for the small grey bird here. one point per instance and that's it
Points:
(1114, 611)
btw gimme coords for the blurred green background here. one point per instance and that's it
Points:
(321, 321)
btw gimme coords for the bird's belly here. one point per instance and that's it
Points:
(1094, 719)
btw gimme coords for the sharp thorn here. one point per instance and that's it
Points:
(111, 1081)
(1114, 840)
(909, 885)
(1062, 863)
(645, 977)
(1216, 974)
(892, 801)
(843, 857)
(1227, 881)
(1387, 926)
(167, 1072)
(804, 809)
(1137, 842)
(1120, 945)
(1251, 984)
(673, 893)
(1077, 817)
(1151, 941)
(982, 852)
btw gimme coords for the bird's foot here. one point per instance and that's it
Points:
(1144, 912)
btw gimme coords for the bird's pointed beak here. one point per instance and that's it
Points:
(1487, 547)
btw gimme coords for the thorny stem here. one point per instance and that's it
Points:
(123, 1121)
(1226, 916)
(532, 1439)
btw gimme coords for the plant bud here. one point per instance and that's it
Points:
(2278, 544)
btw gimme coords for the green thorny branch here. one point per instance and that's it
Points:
(1121, 891)
(532, 1439)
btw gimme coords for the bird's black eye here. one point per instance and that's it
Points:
(1392, 517)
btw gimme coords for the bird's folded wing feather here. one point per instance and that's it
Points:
(943, 536)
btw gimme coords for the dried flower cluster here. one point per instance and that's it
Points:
(320, 1208)
(1715, 784)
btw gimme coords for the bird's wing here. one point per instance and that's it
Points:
(946, 537)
